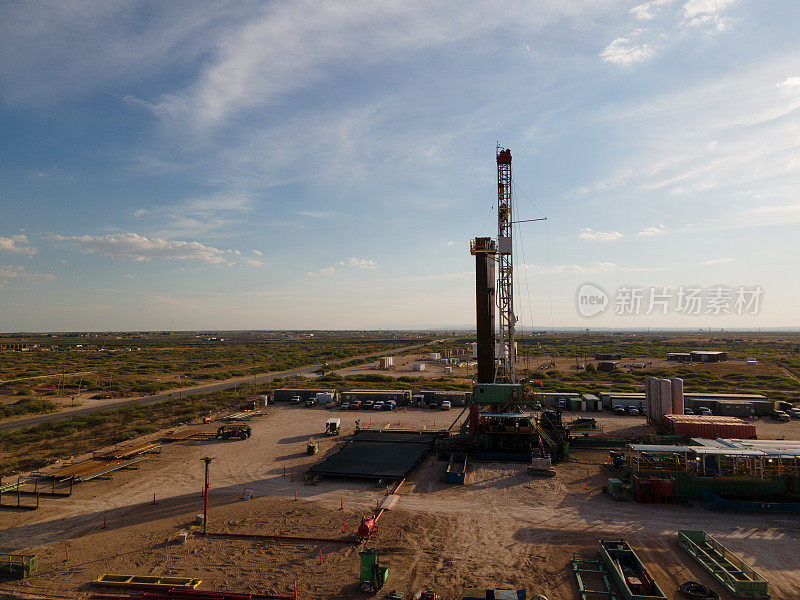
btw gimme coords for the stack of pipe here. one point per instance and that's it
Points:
(663, 397)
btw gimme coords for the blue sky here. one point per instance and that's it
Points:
(323, 165)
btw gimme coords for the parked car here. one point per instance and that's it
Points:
(390, 405)
(368, 404)
(706, 412)
(344, 405)
(311, 402)
(688, 411)
(632, 411)
(355, 405)
(433, 404)
(295, 400)
(618, 410)
(795, 412)
(446, 405)
(377, 405)
(780, 415)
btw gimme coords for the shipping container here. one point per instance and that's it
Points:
(712, 427)
(286, 394)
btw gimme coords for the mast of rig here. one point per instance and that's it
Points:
(505, 274)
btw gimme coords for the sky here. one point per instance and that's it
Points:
(323, 165)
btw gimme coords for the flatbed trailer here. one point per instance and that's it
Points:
(146, 582)
(627, 573)
(730, 571)
(595, 570)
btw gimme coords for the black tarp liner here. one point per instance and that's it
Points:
(376, 455)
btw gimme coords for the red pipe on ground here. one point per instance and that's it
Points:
(194, 595)
(394, 491)
(288, 538)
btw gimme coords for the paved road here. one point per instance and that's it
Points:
(200, 389)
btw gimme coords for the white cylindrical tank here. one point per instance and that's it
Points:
(665, 398)
(648, 398)
(677, 395)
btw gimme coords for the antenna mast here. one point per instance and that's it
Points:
(505, 275)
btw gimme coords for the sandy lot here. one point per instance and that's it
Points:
(402, 365)
(497, 530)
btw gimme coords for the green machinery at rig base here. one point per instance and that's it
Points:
(498, 393)
(373, 574)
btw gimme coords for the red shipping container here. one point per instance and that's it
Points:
(710, 427)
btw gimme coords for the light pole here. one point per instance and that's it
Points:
(207, 460)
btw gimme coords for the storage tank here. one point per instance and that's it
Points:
(664, 398)
(677, 395)
(649, 399)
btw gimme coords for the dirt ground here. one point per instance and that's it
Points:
(500, 529)
(402, 366)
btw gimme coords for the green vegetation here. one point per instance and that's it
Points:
(27, 406)
(38, 446)
(124, 365)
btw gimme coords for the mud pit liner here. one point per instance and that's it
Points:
(377, 455)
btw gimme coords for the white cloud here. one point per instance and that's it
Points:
(648, 231)
(316, 214)
(649, 10)
(18, 273)
(353, 263)
(449, 244)
(790, 82)
(132, 246)
(258, 253)
(697, 8)
(666, 26)
(624, 52)
(263, 59)
(738, 133)
(253, 262)
(198, 215)
(361, 263)
(587, 233)
(716, 261)
(17, 244)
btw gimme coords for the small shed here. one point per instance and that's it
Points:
(606, 366)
